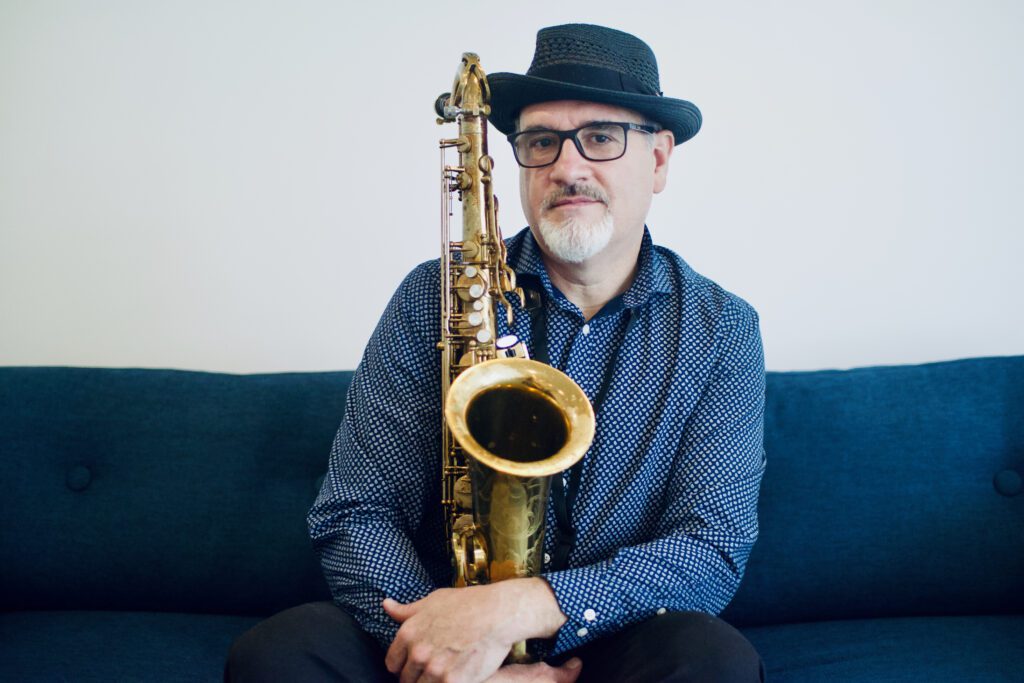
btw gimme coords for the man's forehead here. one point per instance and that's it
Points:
(577, 111)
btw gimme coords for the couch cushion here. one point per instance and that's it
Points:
(880, 497)
(922, 649)
(116, 646)
(161, 490)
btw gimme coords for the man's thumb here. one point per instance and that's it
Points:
(570, 671)
(395, 609)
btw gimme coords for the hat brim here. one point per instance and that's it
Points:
(511, 92)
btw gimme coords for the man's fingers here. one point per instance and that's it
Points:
(538, 673)
(411, 673)
(436, 669)
(415, 663)
(395, 658)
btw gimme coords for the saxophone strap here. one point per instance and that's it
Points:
(564, 490)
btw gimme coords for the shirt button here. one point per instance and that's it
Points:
(661, 610)
(547, 558)
(586, 328)
(589, 614)
(582, 632)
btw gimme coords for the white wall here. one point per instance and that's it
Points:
(239, 186)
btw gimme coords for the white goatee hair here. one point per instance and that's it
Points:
(575, 240)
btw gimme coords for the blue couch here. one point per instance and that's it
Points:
(148, 517)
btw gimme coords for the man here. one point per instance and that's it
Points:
(648, 538)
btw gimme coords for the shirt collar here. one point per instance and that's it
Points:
(652, 275)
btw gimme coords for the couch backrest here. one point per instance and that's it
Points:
(187, 491)
(160, 489)
(884, 496)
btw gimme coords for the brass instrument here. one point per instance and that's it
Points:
(509, 423)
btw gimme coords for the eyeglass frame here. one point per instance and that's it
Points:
(564, 135)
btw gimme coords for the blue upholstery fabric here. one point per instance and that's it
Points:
(161, 490)
(173, 500)
(929, 649)
(879, 499)
(116, 646)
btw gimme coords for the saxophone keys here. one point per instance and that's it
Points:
(509, 346)
(469, 552)
(471, 284)
(463, 495)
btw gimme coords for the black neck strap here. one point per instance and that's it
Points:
(564, 497)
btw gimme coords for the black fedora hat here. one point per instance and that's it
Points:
(595, 64)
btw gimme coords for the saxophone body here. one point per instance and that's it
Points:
(509, 423)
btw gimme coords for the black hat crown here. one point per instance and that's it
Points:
(605, 53)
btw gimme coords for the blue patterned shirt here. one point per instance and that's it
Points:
(666, 512)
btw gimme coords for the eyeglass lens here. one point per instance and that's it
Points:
(599, 142)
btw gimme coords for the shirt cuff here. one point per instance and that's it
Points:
(589, 598)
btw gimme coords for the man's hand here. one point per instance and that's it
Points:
(538, 673)
(461, 635)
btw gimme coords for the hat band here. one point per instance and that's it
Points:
(593, 77)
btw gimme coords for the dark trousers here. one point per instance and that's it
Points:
(320, 642)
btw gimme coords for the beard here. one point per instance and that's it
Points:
(575, 239)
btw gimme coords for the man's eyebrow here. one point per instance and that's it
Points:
(595, 122)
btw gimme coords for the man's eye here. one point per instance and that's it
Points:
(541, 142)
(600, 138)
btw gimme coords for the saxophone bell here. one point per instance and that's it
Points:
(519, 422)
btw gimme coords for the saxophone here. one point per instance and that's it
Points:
(510, 423)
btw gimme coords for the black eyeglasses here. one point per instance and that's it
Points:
(600, 141)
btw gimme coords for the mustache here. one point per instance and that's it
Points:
(575, 190)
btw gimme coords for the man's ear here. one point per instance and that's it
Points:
(664, 144)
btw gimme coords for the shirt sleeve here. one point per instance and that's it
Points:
(709, 525)
(383, 460)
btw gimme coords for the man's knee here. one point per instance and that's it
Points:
(315, 641)
(702, 647)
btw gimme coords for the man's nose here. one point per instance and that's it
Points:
(570, 166)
